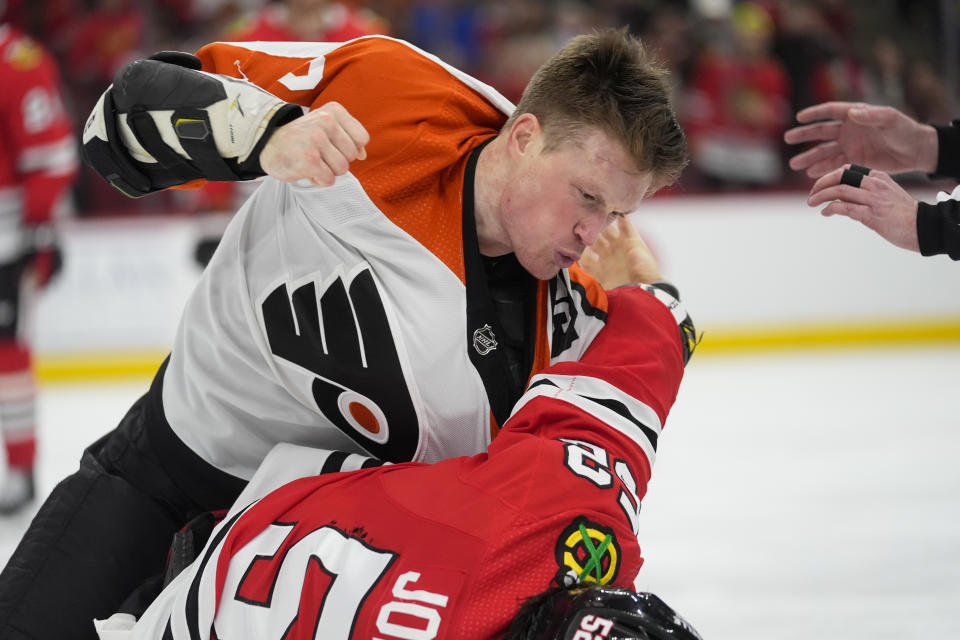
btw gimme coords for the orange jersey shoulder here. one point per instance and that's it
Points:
(422, 116)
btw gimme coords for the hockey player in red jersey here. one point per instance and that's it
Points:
(37, 166)
(448, 550)
(394, 299)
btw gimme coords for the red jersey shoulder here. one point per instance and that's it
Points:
(31, 99)
(567, 525)
(24, 66)
(371, 559)
(19, 51)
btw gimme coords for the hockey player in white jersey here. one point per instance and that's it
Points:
(399, 311)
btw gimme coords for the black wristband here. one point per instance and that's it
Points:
(938, 228)
(948, 150)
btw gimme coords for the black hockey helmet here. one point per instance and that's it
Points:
(599, 613)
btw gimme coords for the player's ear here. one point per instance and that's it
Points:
(525, 135)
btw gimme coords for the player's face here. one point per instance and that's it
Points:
(559, 201)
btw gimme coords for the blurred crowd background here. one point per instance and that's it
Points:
(741, 70)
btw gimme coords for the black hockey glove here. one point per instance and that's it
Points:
(184, 549)
(163, 122)
(43, 257)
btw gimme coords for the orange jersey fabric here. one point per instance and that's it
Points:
(398, 86)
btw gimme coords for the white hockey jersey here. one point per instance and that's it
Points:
(357, 317)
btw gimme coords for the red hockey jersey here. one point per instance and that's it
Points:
(39, 158)
(447, 550)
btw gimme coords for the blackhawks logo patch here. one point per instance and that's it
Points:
(24, 55)
(587, 552)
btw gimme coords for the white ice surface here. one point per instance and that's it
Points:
(811, 496)
(796, 496)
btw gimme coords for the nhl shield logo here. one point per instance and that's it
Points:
(484, 340)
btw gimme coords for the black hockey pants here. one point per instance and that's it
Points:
(107, 528)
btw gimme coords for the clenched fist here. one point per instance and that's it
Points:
(318, 147)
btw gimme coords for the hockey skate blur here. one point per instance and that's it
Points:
(17, 491)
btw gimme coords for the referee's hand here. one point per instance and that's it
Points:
(879, 203)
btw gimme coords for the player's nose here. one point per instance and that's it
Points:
(589, 228)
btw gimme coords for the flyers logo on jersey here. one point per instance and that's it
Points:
(346, 341)
(24, 55)
(587, 552)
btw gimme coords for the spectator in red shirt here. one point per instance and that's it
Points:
(307, 21)
(107, 38)
(738, 105)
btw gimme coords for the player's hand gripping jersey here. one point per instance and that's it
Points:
(359, 317)
(447, 550)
